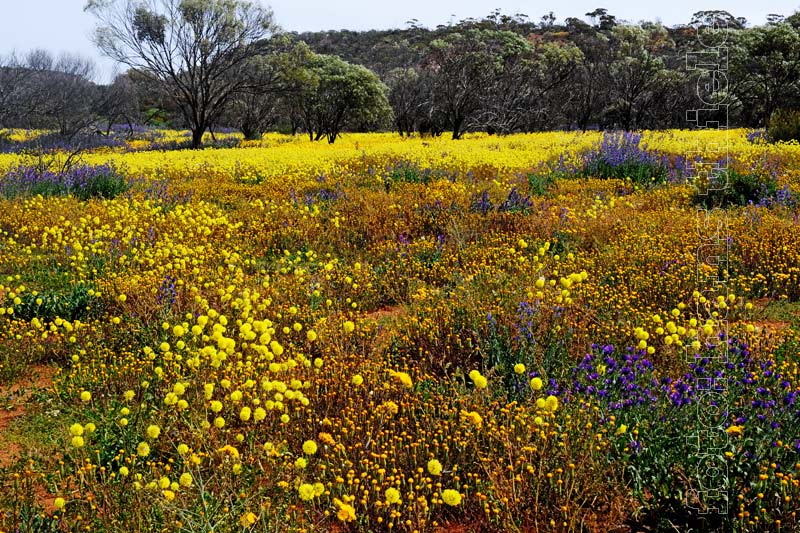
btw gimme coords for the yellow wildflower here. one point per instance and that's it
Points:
(306, 491)
(451, 497)
(551, 403)
(153, 431)
(309, 447)
(346, 511)
(143, 449)
(403, 378)
(434, 467)
(392, 495)
(247, 519)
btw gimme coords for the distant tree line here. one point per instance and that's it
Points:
(507, 73)
(205, 64)
(40, 90)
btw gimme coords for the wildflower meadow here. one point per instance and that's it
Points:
(512, 333)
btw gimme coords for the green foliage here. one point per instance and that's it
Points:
(766, 64)
(642, 173)
(105, 185)
(157, 118)
(329, 94)
(736, 189)
(83, 182)
(784, 125)
(408, 172)
(540, 184)
(404, 171)
(74, 304)
(622, 156)
(501, 355)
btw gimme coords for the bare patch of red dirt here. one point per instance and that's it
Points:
(381, 316)
(16, 395)
(385, 312)
(458, 528)
(774, 326)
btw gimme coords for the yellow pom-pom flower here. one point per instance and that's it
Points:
(143, 449)
(551, 403)
(153, 431)
(346, 513)
(248, 519)
(306, 491)
(392, 495)
(451, 497)
(309, 447)
(403, 378)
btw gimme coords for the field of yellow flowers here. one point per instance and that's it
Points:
(546, 332)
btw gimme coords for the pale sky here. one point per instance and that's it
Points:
(63, 26)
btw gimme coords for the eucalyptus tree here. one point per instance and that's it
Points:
(463, 66)
(40, 90)
(409, 98)
(13, 78)
(197, 51)
(765, 70)
(330, 94)
(637, 73)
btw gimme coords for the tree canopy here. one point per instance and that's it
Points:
(196, 50)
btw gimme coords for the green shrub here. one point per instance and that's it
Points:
(82, 181)
(540, 184)
(740, 189)
(76, 304)
(784, 125)
(621, 155)
(104, 182)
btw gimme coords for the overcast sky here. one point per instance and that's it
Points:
(62, 25)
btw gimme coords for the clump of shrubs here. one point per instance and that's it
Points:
(75, 303)
(784, 125)
(82, 181)
(733, 188)
(404, 171)
(621, 156)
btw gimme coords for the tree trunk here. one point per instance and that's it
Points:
(197, 136)
(457, 128)
(250, 133)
